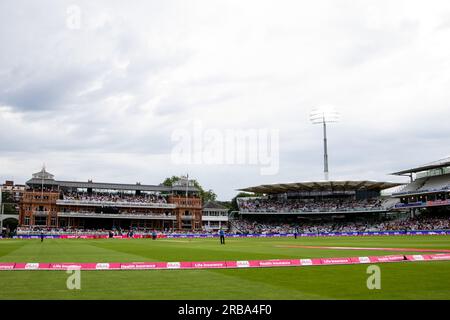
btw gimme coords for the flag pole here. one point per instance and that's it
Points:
(187, 185)
(42, 182)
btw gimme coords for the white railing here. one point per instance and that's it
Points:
(116, 204)
(215, 218)
(267, 211)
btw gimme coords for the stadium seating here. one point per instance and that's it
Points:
(418, 223)
(310, 205)
(119, 198)
(436, 183)
(413, 186)
(427, 184)
(422, 222)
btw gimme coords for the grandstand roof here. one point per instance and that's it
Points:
(214, 205)
(320, 186)
(442, 163)
(44, 178)
(110, 186)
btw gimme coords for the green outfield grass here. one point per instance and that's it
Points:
(412, 280)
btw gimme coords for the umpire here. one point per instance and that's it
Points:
(295, 233)
(222, 236)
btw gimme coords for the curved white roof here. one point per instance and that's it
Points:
(320, 186)
(445, 162)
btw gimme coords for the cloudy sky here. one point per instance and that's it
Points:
(101, 89)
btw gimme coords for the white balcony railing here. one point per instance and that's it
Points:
(316, 211)
(122, 204)
(215, 218)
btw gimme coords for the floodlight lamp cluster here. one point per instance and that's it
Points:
(324, 114)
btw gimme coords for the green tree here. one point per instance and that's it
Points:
(7, 197)
(168, 182)
(10, 208)
(9, 205)
(206, 195)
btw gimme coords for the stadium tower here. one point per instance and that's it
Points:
(323, 115)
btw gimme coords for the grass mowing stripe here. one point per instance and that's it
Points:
(8, 247)
(337, 282)
(198, 284)
(399, 280)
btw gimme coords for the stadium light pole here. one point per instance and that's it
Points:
(323, 115)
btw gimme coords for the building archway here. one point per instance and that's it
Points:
(9, 225)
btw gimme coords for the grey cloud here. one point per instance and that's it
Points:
(366, 43)
(45, 90)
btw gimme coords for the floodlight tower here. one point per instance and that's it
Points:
(323, 115)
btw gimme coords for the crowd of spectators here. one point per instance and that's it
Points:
(36, 230)
(115, 197)
(418, 223)
(308, 205)
(247, 226)
(121, 211)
